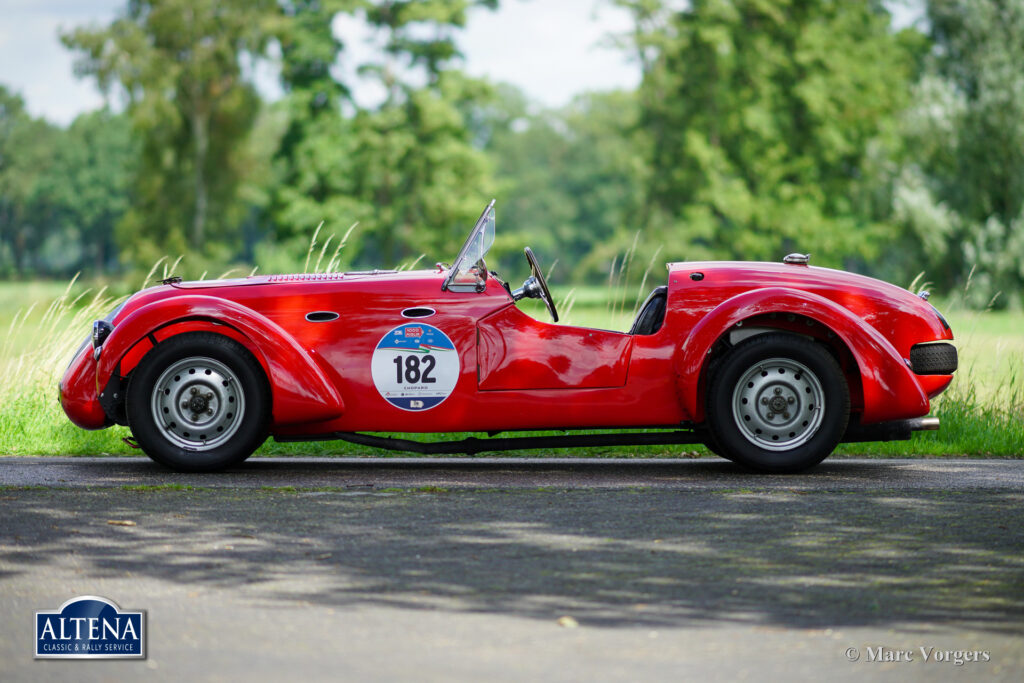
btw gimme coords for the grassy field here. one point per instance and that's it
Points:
(42, 323)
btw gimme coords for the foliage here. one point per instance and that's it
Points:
(179, 63)
(87, 183)
(405, 21)
(761, 115)
(971, 157)
(571, 179)
(312, 180)
(26, 148)
(61, 191)
(406, 170)
(759, 128)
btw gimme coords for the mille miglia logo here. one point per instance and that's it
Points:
(90, 627)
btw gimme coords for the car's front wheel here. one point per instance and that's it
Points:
(777, 403)
(198, 402)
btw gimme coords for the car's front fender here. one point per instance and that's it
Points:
(889, 388)
(77, 392)
(300, 389)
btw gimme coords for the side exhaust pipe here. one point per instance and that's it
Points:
(897, 430)
(924, 424)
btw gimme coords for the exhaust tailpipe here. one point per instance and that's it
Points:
(923, 424)
(897, 430)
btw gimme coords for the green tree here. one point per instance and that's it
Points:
(407, 168)
(422, 32)
(180, 65)
(572, 179)
(760, 116)
(26, 148)
(88, 183)
(967, 138)
(312, 176)
(313, 101)
(418, 171)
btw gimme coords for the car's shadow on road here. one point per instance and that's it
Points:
(789, 557)
(483, 472)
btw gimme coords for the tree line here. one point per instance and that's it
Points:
(759, 127)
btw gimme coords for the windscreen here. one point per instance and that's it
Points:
(469, 267)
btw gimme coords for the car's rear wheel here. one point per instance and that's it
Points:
(777, 403)
(198, 402)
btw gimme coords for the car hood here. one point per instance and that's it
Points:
(247, 290)
(279, 279)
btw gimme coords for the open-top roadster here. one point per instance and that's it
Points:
(769, 364)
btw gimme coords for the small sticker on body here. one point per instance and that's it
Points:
(415, 367)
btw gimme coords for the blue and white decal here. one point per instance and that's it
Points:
(90, 627)
(415, 367)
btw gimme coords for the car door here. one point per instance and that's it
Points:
(516, 352)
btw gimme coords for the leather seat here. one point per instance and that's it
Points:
(652, 313)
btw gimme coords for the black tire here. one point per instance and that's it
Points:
(214, 399)
(777, 403)
(713, 446)
(709, 440)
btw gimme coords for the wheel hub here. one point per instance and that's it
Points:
(197, 403)
(778, 404)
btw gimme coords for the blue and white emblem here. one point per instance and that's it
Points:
(90, 627)
(415, 366)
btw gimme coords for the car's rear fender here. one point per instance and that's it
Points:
(300, 390)
(889, 389)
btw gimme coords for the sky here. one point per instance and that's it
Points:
(551, 49)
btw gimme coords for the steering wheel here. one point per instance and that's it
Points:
(539, 288)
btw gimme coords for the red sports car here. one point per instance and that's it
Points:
(769, 364)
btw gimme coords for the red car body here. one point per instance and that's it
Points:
(515, 372)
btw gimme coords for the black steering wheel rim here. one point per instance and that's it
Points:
(545, 293)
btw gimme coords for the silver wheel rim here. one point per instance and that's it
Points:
(778, 404)
(198, 403)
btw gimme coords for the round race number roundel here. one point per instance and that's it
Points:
(415, 366)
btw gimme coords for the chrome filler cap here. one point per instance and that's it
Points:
(796, 259)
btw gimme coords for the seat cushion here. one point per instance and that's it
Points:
(652, 313)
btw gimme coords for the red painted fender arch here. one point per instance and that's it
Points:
(300, 389)
(890, 390)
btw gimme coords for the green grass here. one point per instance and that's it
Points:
(991, 345)
(42, 323)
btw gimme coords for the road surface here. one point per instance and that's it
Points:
(524, 569)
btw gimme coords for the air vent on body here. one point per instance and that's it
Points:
(418, 312)
(321, 316)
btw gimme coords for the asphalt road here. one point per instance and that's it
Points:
(448, 569)
(374, 473)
